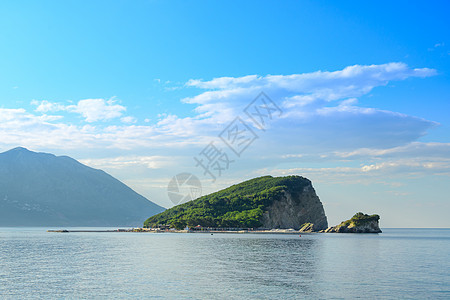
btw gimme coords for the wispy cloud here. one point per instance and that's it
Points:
(385, 171)
(298, 89)
(92, 110)
(414, 149)
(45, 106)
(321, 116)
(128, 119)
(98, 109)
(121, 162)
(320, 108)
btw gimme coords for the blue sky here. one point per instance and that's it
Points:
(140, 88)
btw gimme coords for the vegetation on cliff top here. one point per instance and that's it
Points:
(241, 205)
(359, 219)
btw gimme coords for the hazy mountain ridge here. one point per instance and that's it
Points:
(41, 189)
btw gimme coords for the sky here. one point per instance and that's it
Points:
(353, 95)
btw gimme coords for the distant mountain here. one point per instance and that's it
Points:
(269, 202)
(40, 189)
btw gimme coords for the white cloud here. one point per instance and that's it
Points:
(299, 90)
(46, 106)
(319, 108)
(411, 166)
(414, 149)
(50, 118)
(353, 81)
(92, 110)
(415, 158)
(389, 171)
(18, 127)
(121, 162)
(128, 119)
(321, 115)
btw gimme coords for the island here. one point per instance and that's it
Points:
(359, 223)
(265, 203)
(281, 205)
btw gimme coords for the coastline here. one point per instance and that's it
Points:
(157, 230)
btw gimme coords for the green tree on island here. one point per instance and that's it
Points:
(241, 205)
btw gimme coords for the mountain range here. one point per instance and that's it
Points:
(41, 189)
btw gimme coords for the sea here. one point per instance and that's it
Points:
(396, 264)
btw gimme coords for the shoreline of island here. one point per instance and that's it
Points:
(359, 223)
(157, 230)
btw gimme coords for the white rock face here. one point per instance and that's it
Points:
(295, 208)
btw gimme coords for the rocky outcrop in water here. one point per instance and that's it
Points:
(308, 227)
(359, 223)
(296, 206)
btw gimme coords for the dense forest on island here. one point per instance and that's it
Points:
(241, 205)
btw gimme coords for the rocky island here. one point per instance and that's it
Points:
(359, 223)
(265, 202)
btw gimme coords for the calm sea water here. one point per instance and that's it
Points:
(399, 263)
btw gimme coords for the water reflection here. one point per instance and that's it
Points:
(247, 263)
(36, 264)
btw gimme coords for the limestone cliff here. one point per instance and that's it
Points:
(359, 223)
(295, 207)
